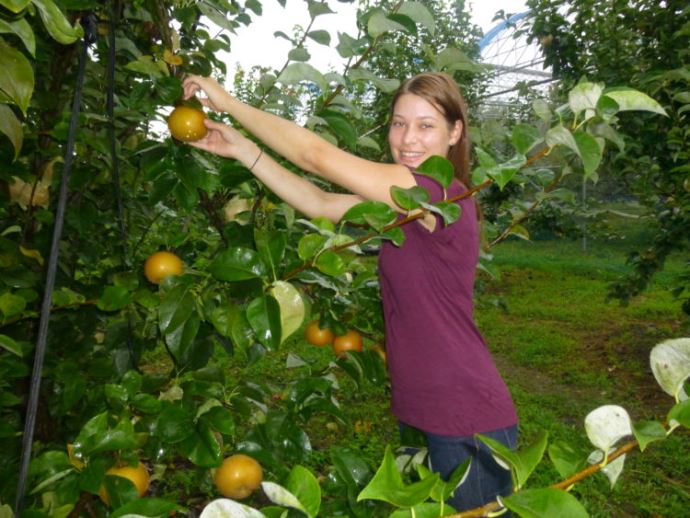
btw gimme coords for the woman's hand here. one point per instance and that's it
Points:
(223, 140)
(215, 97)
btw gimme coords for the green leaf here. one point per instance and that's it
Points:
(16, 6)
(147, 66)
(174, 423)
(320, 36)
(452, 59)
(385, 85)
(310, 245)
(438, 168)
(97, 437)
(348, 46)
(387, 485)
(542, 109)
(113, 298)
(523, 461)
(23, 31)
(299, 54)
(561, 136)
(56, 24)
(230, 508)
(396, 235)
(584, 96)
(680, 414)
(148, 506)
(351, 467)
(545, 503)
(375, 213)
(449, 211)
(237, 264)
(420, 14)
(175, 309)
(202, 446)
(647, 432)
(263, 314)
(426, 510)
(318, 8)
(379, 24)
(295, 73)
(11, 304)
(303, 484)
(282, 496)
(270, 244)
(589, 151)
(411, 198)
(292, 308)
(630, 99)
(670, 363)
(606, 425)
(566, 459)
(181, 341)
(10, 345)
(341, 127)
(12, 128)
(524, 137)
(504, 172)
(17, 77)
(330, 263)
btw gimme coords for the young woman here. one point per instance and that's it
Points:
(444, 381)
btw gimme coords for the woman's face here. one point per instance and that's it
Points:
(418, 130)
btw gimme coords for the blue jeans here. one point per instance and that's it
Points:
(486, 479)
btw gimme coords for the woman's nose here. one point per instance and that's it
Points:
(409, 135)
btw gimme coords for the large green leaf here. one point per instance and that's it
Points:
(310, 245)
(97, 436)
(566, 458)
(589, 150)
(174, 423)
(385, 85)
(263, 314)
(522, 462)
(177, 306)
(379, 23)
(297, 72)
(341, 127)
(387, 485)
(545, 503)
(148, 506)
(438, 168)
(524, 137)
(237, 264)
(320, 36)
(409, 199)
(17, 77)
(8, 343)
(420, 14)
(647, 432)
(303, 484)
(270, 244)
(561, 136)
(584, 96)
(631, 99)
(56, 24)
(202, 446)
(181, 340)
(16, 6)
(330, 263)
(22, 30)
(12, 128)
(375, 213)
(292, 307)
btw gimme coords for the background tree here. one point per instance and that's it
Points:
(643, 44)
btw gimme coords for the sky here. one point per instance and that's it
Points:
(257, 45)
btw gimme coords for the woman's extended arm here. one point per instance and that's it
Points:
(291, 188)
(369, 180)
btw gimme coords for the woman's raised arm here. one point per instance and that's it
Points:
(295, 190)
(304, 148)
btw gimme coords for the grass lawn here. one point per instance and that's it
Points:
(564, 350)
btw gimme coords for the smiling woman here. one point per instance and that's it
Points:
(444, 381)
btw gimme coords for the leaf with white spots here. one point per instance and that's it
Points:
(607, 425)
(670, 362)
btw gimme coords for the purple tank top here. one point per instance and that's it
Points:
(443, 378)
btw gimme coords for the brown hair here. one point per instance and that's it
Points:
(441, 90)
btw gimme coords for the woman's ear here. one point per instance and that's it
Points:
(455, 133)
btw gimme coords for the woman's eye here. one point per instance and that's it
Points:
(398, 124)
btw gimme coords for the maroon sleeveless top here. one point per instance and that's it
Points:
(443, 378)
